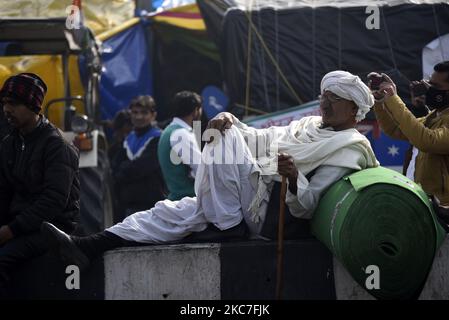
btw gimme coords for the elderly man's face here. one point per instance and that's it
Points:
(337, 112)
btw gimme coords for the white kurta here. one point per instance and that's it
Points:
(229, 192)
(224, 192)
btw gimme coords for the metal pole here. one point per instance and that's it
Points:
(65, 75)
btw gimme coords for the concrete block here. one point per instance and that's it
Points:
(163, 272)
(345, 286)
(437, 284)
(236, 270)
(45, 278)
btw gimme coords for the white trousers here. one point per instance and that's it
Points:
(224, 192)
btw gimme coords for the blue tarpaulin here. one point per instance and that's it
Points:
(168, 4)
(126, 70)
(390, 152)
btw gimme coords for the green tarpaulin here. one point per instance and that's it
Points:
(377, 217)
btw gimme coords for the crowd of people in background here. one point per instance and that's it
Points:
(148, 164)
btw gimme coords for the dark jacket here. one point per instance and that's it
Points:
(139, 183)
(430, 135)
(5, 128)
(39, 180)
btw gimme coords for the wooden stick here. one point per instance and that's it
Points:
(280, 248)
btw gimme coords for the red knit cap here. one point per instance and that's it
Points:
(27, 88)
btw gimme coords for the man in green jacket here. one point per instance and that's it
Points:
(178, 150)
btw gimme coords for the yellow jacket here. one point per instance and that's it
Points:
(430, 135)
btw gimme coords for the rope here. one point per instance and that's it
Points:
(339, 38)
(276, 49)
(313, 48)
(388, 38)
(248, 60)
(262, 64)
(250, 109)
(270, 55)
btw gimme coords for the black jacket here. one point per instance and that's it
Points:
(39, 180)
(5, 128)
(139, 183)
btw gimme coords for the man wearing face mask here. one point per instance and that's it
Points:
(429, 135)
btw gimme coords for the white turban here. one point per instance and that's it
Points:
(349, 87)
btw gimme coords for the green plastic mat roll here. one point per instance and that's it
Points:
(379, 217)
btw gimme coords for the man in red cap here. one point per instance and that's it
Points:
(39, 177)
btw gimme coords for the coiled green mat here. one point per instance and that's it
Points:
(378, 217)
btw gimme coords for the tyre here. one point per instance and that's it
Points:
(96, 200)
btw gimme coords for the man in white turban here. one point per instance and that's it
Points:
(238, 170)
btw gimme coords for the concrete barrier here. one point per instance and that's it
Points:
(163, 272)
(437, 284)
(243, 270)
(45, 277)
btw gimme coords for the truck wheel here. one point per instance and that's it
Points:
(96, 205)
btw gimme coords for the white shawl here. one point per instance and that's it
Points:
(311, 147)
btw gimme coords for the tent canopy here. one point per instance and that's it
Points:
(99, 15)
(283, 4)
(291, 45)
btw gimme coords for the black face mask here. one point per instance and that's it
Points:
(437, 99)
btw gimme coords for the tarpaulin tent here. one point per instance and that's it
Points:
(126, 66)
(158, 54)
(184, 56)
(290, 45)
(186, 16)
(99, 15)
(160, 5)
